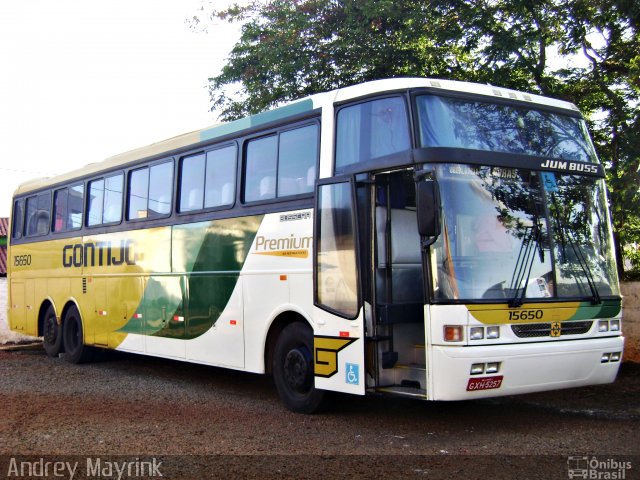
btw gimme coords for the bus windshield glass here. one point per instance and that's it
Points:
(459, 123)
(519, 235)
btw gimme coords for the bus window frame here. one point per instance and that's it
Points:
(127, 190)
(397, 159)
(178, 180)
(18, 233)
(349, 179)
(68, 187)
(25, 225)
(277, 131)
(87, 184)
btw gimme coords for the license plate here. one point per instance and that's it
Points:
(484, 383)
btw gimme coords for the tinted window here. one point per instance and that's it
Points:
(297, 160)
(38, 211)
(18, 218)
(192, 183)
(371, 130)
(105, 200)
(150, 191)
(138, 193)
(96, 202)
(67, 208)
(160, 189)
(261, 166)
(113, 199)
(220, 177)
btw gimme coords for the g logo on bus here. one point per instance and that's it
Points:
(325, 354)
(556, 329)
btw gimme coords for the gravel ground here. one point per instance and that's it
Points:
(202, 421)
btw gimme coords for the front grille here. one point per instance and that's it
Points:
(531, 330)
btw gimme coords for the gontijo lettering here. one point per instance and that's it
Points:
(98, 254)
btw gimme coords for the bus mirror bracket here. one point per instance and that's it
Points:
(428, 206)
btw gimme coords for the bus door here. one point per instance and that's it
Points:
(338, 314)
(397, 283)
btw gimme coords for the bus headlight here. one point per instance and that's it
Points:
(603, 325)
(614, 325)
(493, 332)
(476, 333)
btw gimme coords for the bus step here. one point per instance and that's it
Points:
(403, 391)
(414, 374)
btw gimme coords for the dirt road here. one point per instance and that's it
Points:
(207, 422)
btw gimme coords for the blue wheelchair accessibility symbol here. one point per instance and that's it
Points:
(353, 373)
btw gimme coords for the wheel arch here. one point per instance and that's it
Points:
(275, 329)
(44, 306)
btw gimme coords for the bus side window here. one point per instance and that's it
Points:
(67, 208)
(105, 201)
(191, 183)
(260, 169)
(38, 214)
(150, 191)
(17, 219)
(220, 177)
(297, 155)
(370, 130)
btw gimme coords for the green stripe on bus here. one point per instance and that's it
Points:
(212, 255)
(257, 120)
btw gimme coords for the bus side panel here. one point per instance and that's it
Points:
(17, 306)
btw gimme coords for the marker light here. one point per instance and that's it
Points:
(476, 333)
(493, 332)
(453, 333)
(614, 325)
(477, 369)
(493, 367)
(603, 326)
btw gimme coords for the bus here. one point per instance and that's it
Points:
(429, 238)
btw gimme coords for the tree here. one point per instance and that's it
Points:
(292, 48)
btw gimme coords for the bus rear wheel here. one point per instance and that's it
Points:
(51, 333)
(293, 369)
(73, 339)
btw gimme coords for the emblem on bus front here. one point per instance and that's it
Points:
(556, 329)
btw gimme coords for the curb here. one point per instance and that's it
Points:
(16, 347)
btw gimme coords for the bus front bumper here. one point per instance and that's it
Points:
(521, 368)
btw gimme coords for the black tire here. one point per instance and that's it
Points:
(51, 333)
(293, 369)
(73, 339)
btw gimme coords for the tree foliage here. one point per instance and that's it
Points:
(292, 48)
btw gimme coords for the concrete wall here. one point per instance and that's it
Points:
(631, 321)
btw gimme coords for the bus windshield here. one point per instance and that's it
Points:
(519, 235)
(458, 123)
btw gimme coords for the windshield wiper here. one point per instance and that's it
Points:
(531, 242)
(595, 295)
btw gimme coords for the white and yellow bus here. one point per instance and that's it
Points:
(429, 238)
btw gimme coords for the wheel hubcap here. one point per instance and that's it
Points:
(296, 371)
(50, 330)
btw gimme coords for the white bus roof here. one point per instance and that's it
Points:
(301, 106)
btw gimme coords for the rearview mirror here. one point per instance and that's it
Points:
(428, 204)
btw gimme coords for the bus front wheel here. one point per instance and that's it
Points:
(51, 333)
(75, 349)
(293, 369)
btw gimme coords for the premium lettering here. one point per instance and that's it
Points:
(283, 243)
